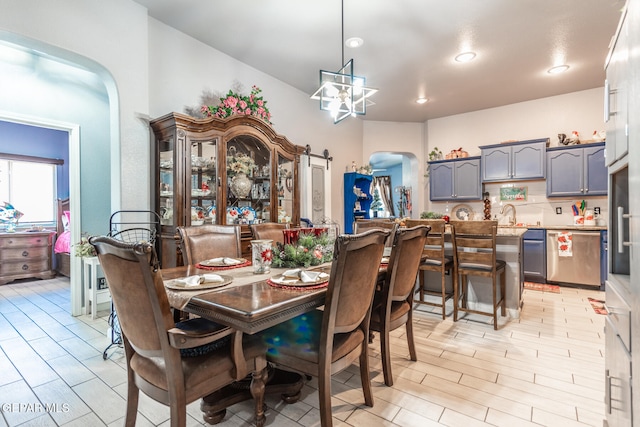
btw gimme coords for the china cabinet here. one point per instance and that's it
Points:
(514, 161)
(222, 171)
(455, 179)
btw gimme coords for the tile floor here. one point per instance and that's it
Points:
(545, 368)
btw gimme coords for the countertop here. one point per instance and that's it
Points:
(554, 227)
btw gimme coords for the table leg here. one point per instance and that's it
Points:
(286, 383)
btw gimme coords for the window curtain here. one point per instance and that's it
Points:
(384, 184)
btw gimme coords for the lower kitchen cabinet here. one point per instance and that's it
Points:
(534, 255)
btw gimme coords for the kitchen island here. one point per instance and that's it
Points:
(509, 249)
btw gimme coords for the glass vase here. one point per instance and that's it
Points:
(261, 256)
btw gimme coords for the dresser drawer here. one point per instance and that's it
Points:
(19, 241)
(26, 267)
(25, 253)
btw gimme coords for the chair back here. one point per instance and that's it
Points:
(269, 231)
(138, 294)
(404, 261)
(354, 270)
(433, 251)
(474, 245)
(363, 225)
(203, 242)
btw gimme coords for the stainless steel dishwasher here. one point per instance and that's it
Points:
(580, 265)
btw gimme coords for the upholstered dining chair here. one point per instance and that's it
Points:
(474, 254)
(324, 342)
(434, 259)
(269, 231)
(393, 304)
(173, 363)
(362, 225)
(203, 242)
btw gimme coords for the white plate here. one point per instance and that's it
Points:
(223, 262)
(178, 285)
(293, 281)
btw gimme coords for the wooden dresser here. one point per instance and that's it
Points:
(25, 255)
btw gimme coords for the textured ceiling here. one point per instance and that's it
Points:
(409, 46)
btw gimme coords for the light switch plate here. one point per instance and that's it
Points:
(558, 211)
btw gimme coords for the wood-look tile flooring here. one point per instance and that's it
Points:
(544, 369)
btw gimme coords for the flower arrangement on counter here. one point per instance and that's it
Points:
(308, 251)
(240, 163)
(233, 103)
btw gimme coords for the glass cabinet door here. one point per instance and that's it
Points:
(248, 181)
(203, 183)
(166, 177)
(285, 189)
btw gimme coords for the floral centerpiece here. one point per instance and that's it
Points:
(308, 251)
(240, 163)
(233, 103)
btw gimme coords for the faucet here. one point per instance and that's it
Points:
(513, 208)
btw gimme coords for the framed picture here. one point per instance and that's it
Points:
(513, 193)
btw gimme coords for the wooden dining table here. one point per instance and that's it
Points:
(248, 304)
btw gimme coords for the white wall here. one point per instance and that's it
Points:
(399, 138)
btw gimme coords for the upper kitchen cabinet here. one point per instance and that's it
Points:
(577, 170)
(616, 96)
(222, 171)
(455, 179)
(514, 161)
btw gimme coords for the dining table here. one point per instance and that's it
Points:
(249, 303)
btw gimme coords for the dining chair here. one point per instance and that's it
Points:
(434, 259)
(324, 342)
(393, 304)
(474, 254)
(172, 363)
(269, 231)
(203, 242)
(362, 225)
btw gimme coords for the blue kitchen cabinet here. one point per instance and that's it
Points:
(577, 170)
(356, 205)
(534, 255)
(457, 179)
(514, 161)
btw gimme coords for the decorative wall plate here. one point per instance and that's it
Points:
(462, 212)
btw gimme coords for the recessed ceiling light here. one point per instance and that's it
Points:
(422, 100)
(354, 42)
(465, 57)
(558, 69)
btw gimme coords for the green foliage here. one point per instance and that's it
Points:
(376, 203)
(308, 251)
(430, 215)
(83, 248)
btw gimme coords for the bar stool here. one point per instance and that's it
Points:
(474, 254)
(434, 259)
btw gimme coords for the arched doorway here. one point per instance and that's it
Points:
(402, 170)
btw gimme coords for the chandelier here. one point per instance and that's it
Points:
(341, 92)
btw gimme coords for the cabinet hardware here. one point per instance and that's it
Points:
(607, 102)
(621, 217)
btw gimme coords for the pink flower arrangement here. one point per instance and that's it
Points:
(252, 105)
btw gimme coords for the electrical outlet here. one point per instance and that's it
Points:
(558, 211)
(596, 210)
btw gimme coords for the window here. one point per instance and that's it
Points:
(29, 184)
